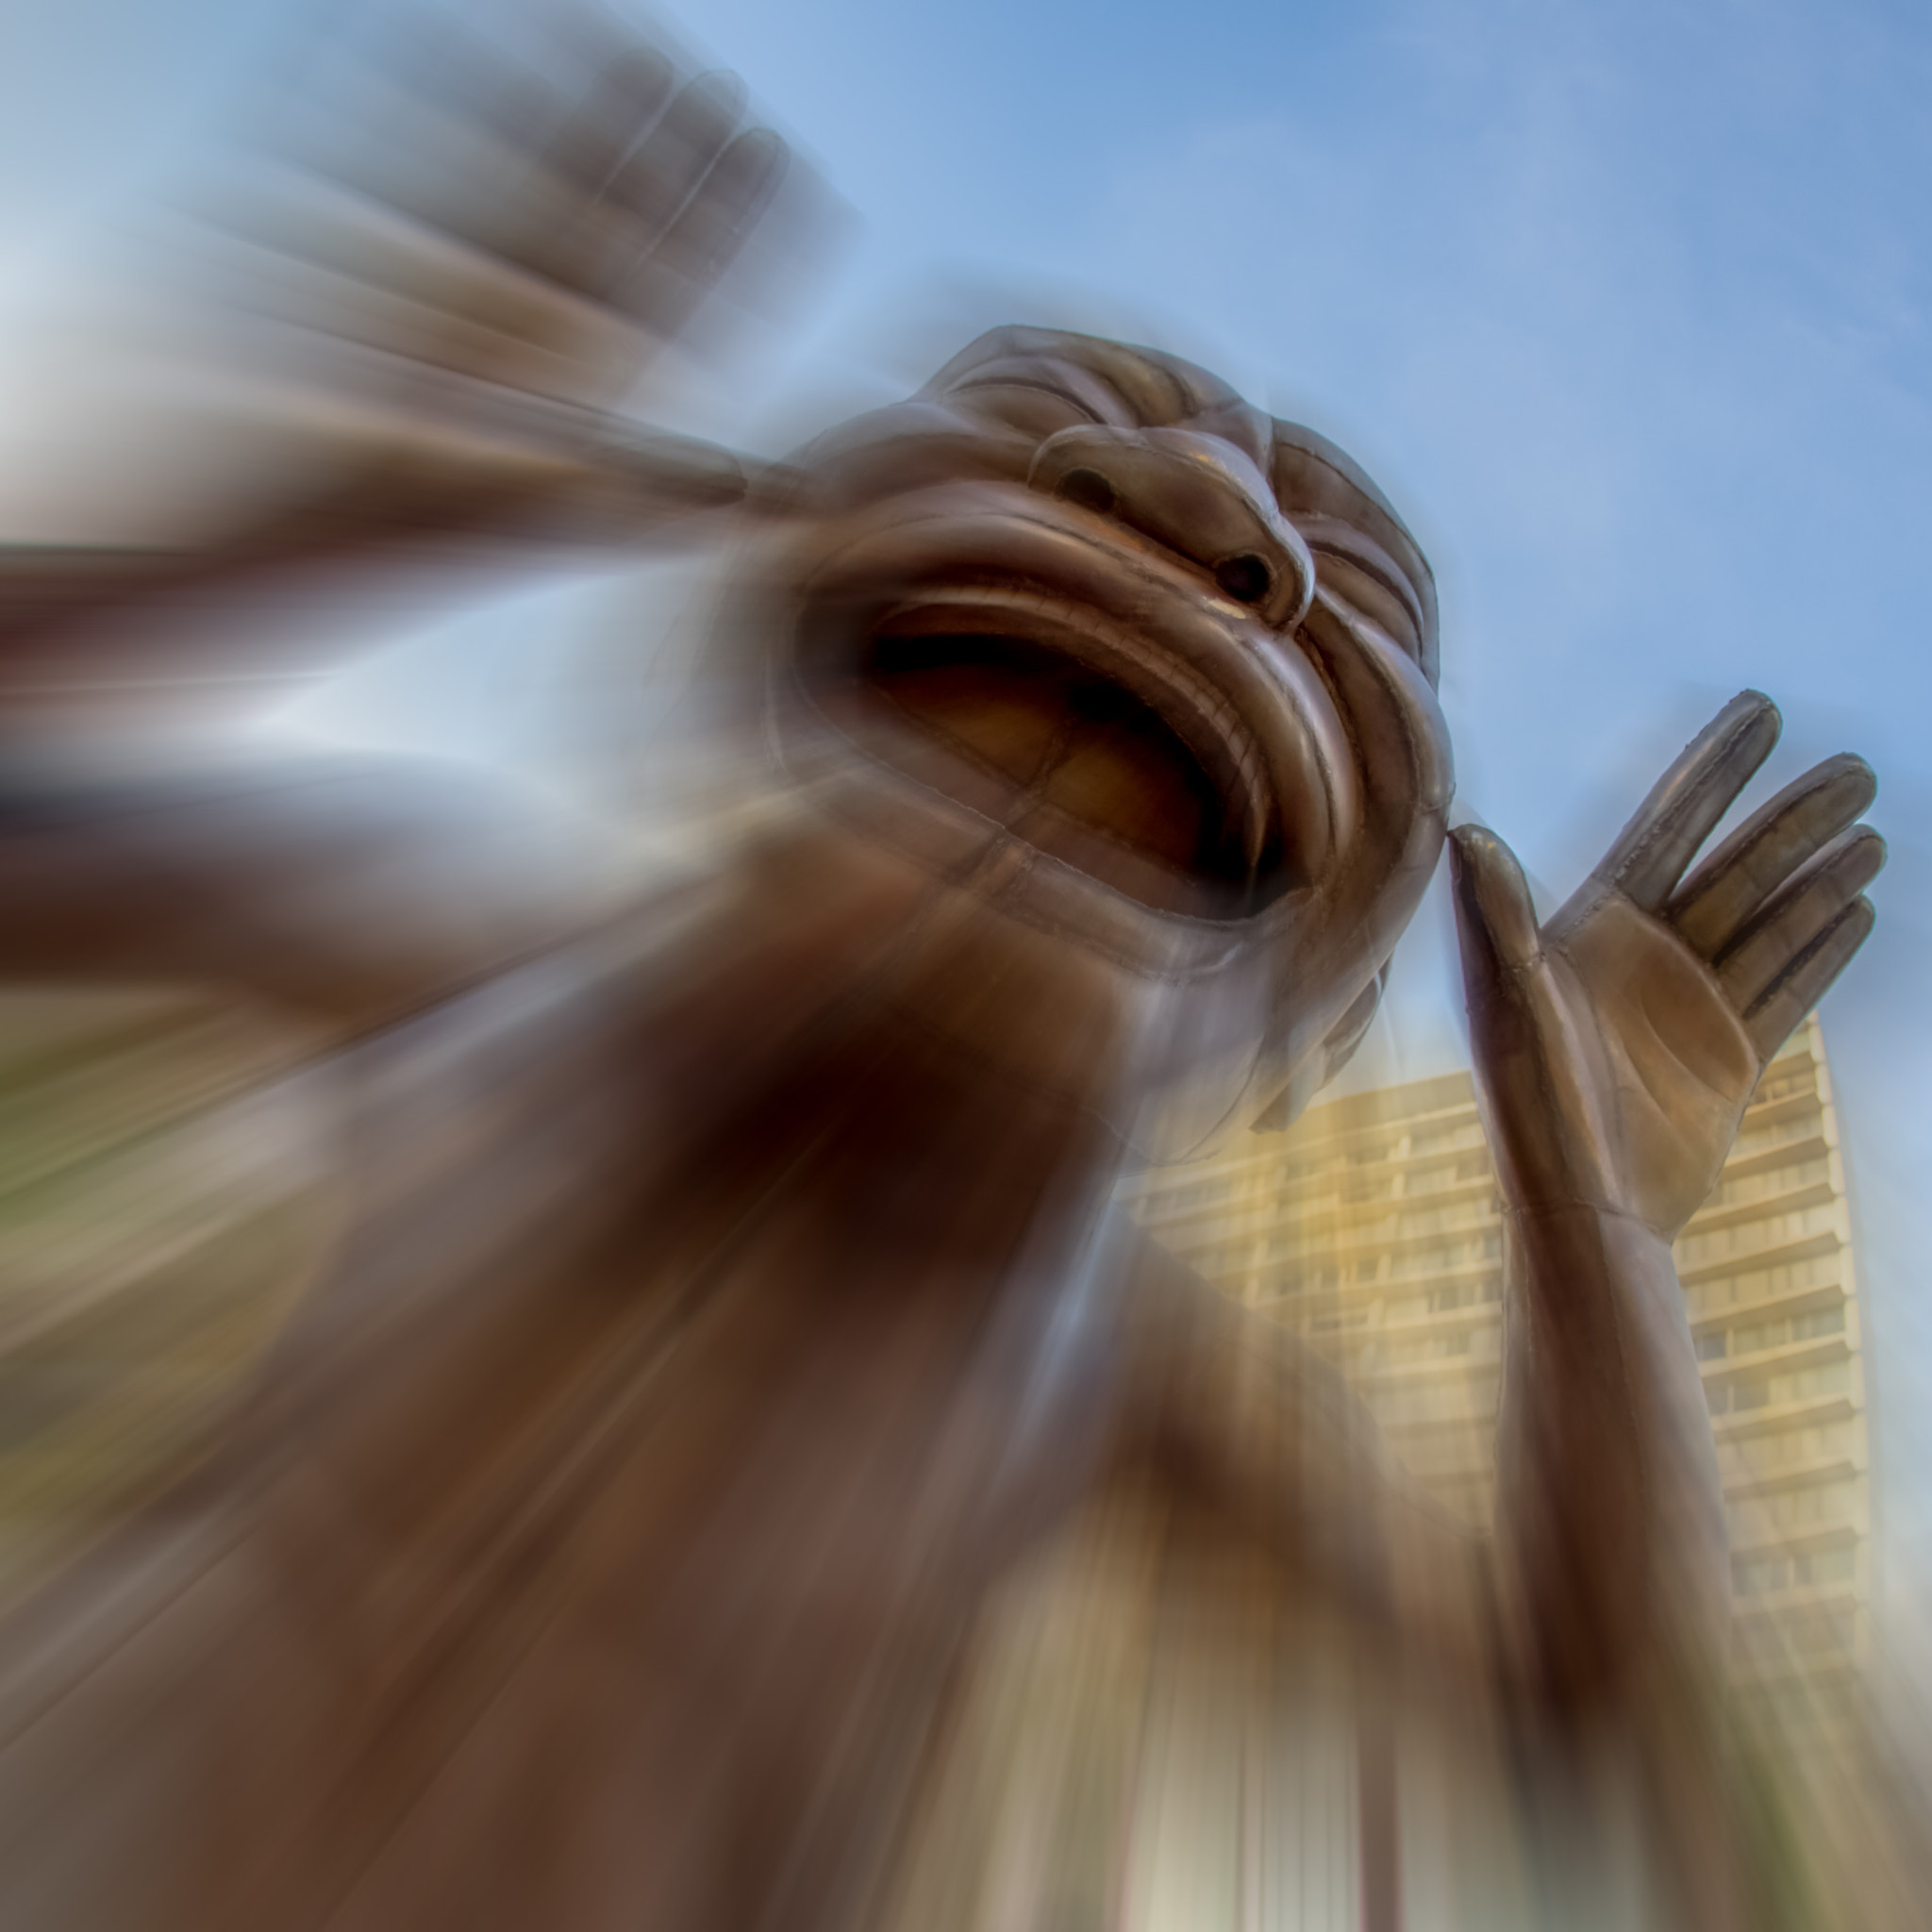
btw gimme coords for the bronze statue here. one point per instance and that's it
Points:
(735, 1290)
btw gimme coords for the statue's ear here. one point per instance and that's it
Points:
(1361, 543)
(1337, 1051)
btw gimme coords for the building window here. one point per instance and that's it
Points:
(1824, 1566)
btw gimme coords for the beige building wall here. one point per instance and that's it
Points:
(1371, 1229)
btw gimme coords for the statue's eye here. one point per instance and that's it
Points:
(1246, 579)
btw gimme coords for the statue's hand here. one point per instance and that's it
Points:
(442, 253)
(1615, 1047)
(417, 312)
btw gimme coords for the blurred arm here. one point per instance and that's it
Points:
(352, 891)
(412, 310)
(1615, 1047)
(1250, 1426)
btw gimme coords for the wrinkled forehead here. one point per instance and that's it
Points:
(1044, 380)
(1040, 381)
(989, 409)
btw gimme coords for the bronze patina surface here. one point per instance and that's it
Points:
(733, 1291)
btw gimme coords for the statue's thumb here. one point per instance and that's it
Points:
(1495, 916)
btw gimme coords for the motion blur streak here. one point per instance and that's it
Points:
(562, 1368)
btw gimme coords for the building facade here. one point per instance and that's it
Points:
(1371, 1229)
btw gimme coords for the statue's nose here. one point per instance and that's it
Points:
(1199, 496)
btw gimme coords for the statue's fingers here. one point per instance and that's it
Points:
(1734, 882)
(626, 97)
(1495, 916)
(1761, 957)
(1805, 978)
(1684, 806)
(562, 229)
(1527, 1089)
(436, 122)
(705, 237)
(659, 177)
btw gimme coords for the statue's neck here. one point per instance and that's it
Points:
(837, 1014)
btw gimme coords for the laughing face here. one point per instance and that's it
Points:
(1079, 604)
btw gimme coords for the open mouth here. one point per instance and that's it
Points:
(1088, 742)
(1094, 699)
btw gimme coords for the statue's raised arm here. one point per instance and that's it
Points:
(1615, 1047)
(415, 314)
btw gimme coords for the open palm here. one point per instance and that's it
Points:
(1618, 1044)
(494, 223)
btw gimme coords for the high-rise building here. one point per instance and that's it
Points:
(1371, 1229)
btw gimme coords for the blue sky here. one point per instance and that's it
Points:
(1624, 305)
